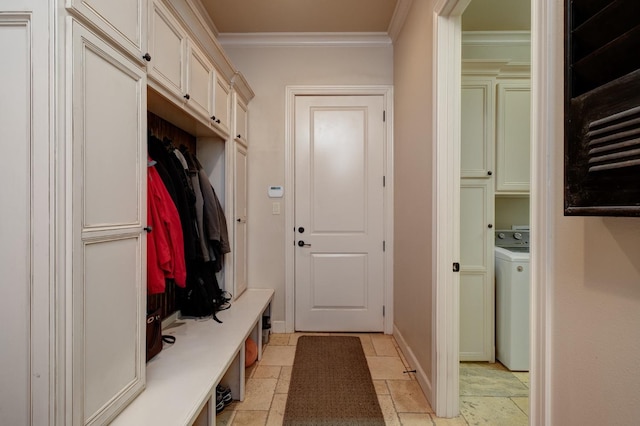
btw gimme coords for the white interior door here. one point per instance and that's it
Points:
(339, 166)
(240, 234)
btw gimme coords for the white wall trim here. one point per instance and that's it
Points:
(446, 226)
(372, 39)
(289, 183)
(400, 14)
(496, 38)
(544, 84)
(421, 376)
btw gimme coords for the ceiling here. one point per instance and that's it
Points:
(320, 16)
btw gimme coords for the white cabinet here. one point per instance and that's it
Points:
(123, 21)
(184, 74)
(513, 132)
(476, 271)
(477, 131)
(240, 120)
(108, 177)
(222, 101)
(200, 78)
(240, 219)
(167, 48)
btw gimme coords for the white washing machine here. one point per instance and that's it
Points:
(512, 300)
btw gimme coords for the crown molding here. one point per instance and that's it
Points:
(400, 14)
(497, 38)
(496, 68)
(370, 39)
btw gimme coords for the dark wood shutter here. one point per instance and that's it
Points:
(602, 107)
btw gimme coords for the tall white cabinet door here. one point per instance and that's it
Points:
(124, 21)
(476, 271)
(240, 219)
(513, 136)
(241, 115)
(222, 103)
(26, 254)
(108, 145)
(477, 134)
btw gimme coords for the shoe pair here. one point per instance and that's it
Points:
(223, 398)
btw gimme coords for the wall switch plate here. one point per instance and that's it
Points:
(275, 208)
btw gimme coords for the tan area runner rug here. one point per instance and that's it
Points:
(331, 385)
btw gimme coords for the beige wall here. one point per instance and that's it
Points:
(511, 211)
(595, 303)
(269, 70)
(413, 214)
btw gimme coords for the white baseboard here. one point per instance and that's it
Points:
(278, 327)
(423, 380)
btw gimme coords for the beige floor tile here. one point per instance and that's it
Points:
(266, 371)
(248, 372)
(279, 339)
(384, 345)
(388, 410)
(522, 403)
(414, 419)
(250, 418)
(284, 380)
(408, 397)
(387, 368)
(226, 417)
(491, 411)
(367, 345)
(490, 382)
(258, 395)
(276, 414)
(523, 376)
(381, 387)
(456, 421)
(485, 365)
(278, 355)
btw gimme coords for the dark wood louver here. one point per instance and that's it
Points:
(602, 107)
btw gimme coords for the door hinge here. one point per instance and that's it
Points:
(384, 245)
(384, 181)
(383, 310)
(456, 267)
(384, 115)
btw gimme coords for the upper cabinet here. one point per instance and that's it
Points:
(513, 136)
(477, 134)
(123, 21)
(184, 73)
(241, 116)
(167, 50)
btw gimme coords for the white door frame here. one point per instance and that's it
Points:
(447, 81)
(289, 184)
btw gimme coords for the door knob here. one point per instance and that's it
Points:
(303, 244)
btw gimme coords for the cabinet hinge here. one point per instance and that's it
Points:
(384, 115)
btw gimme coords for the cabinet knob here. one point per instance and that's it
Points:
(489, 226)
(489, 173)
(148, 229)
(187, 97)
(239, 136)
(146, 57)
(218, 121)
(213, 117)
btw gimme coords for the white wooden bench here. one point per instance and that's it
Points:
(181, 380)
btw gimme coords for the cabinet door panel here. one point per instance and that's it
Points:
(167, 47)
(222, 99)
(200, 82)
(476, 271)
(513, 137)
(240, 120)
(108, 145)
(125, 21)
(477, 129)
(240, 210)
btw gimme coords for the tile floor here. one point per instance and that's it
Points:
(399, 394)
